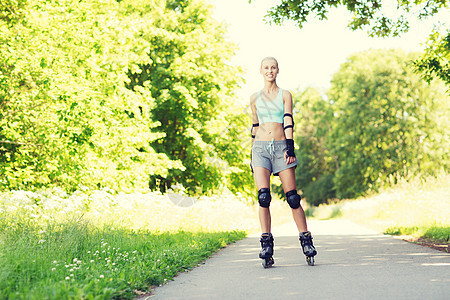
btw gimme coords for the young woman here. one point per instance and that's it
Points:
(273, 152)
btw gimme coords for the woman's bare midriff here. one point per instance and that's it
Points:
(269, 131)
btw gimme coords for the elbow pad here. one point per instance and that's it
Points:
(253, 126)
(292, 118)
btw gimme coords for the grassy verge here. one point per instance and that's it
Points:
(435, 233)
(417, 208)
(103, 246)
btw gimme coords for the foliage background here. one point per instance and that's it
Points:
(378, 122)
(123, 94)
(133, 95)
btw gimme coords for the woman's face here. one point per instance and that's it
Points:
(269, 69)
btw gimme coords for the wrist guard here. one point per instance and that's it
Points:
(290, 147)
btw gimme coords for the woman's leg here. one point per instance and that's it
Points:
(262, 179)
(287, 178)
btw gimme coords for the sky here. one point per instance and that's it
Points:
(307, 57)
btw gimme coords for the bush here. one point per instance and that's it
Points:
(320, 191)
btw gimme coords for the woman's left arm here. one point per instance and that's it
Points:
(288, 119)
(288, 123)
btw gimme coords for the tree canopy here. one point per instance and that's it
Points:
(115, 94)
(388, 121)
(380, 122)
(381, 19)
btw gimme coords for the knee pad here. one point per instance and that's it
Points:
(293, 199)
(264, 197)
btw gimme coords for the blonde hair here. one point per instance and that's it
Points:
(269, 58)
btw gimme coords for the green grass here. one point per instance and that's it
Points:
(435, 233)
(418, 208)
(101, 245)
(79, 261)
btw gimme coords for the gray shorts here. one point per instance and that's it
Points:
(270, 155)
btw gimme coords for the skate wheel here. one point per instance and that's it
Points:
(268, 262)
(310, 260)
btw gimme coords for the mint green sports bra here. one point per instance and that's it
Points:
(270, 111)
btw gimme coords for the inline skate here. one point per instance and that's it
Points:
(308, 248)
(266, 253)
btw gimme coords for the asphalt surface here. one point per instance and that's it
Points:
(352, 263)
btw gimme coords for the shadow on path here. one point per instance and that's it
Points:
(352, 263)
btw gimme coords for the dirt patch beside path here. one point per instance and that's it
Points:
(441, 246)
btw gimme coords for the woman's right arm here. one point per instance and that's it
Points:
(255, 121)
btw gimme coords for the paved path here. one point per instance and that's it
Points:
(352, 263)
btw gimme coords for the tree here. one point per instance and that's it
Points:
(315, 170)
(387, 122)
(364, 13)
(192, 85)
(382, 19)
(436, 60)
(117, 93)
(66, 115)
